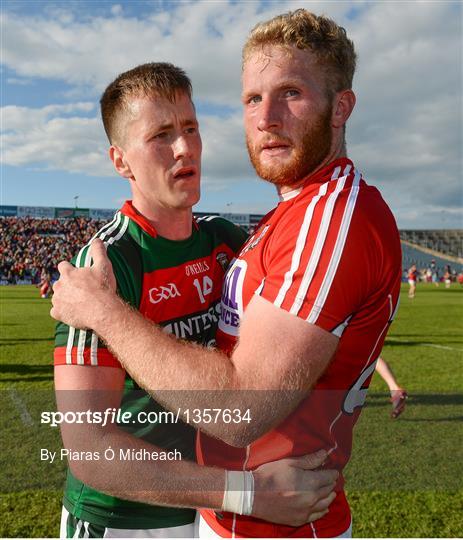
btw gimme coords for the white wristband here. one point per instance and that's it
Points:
(239, 492)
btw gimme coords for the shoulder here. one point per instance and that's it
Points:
(225, 230)
(114, 234)
(124, 252)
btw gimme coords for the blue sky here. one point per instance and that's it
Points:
(405, 134)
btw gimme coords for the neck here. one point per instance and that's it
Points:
(170, 223)
(338, 151)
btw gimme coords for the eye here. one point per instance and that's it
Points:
(191, 130)
(160, 135)
(253, 100)
(291, 92)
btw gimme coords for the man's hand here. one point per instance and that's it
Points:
(290, 492)
(81, 295)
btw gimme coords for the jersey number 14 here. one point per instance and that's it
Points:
(204, 289)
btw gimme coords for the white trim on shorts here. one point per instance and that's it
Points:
(182, 531)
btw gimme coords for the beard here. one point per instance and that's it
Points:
(307, 155)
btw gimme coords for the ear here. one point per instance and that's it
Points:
(344, 103)
(117, 156)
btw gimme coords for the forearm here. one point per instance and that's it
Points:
(187, 377)
(155, 359)
(181, 376)
(179, 483)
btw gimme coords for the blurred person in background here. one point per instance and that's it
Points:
(412, 277)
(398, 394)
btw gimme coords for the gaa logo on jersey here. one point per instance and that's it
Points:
(164, 292)
(231, 307)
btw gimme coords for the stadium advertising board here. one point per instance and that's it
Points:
(81, 212)
(64, 212)
(36, 211)
(71, 212)
(6, 210)
(101, 213)
(237, 219)
(254, 219)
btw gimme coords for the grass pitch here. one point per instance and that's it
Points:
(405, 475)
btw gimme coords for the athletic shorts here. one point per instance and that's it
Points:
(205, 531)
(411, 282)
(72, 527)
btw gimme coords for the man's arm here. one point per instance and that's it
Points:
(82, 388)
(279, 356)
(177, 483)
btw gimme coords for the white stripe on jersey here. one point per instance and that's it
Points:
(87, 263)
(109, 226)
(94, 349)
(81, 346)
(336, 172)
(106, 229)
(300, 244)
(337, 251)
(319, 243)
(69, 344)
(102, 233)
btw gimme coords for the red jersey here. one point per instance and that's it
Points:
(330, 254)
(412, 275)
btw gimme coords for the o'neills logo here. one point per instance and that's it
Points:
(196, 268)
(164, 292)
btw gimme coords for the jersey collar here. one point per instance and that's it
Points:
(130, 211)
(283, 197)
(334, 170)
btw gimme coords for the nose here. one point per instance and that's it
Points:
(181, 147)
(269, 115)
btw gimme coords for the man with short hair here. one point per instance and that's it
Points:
(170, 269)
(311, 294)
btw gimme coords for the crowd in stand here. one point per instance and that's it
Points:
(30, 246)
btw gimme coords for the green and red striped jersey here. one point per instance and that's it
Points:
(176, 284)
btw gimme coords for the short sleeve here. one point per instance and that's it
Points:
(318, 258)
(83, 347)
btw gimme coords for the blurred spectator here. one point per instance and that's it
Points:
(447, 276)
(434, 273)
(30, 246)
(45, 284)
(412, 277)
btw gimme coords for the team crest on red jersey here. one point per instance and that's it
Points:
(254, 240)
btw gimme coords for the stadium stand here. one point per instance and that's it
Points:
(444, 242)
(414, 255)
(32, 244)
